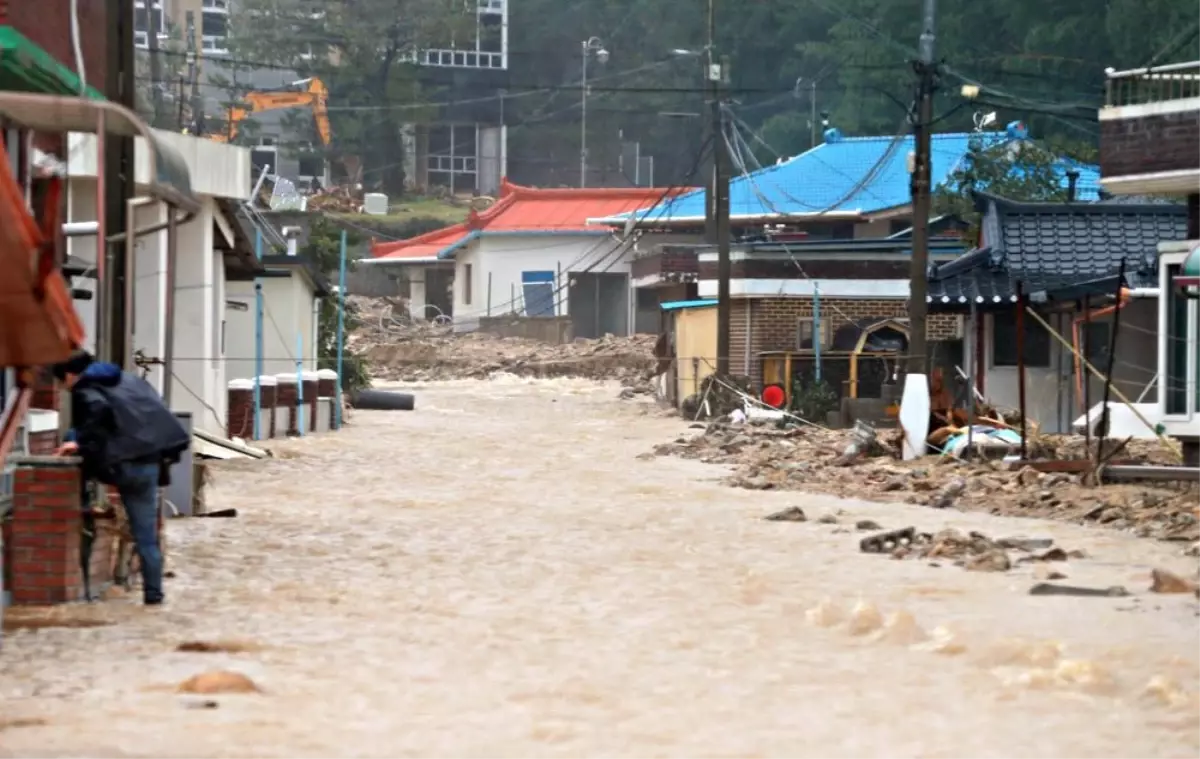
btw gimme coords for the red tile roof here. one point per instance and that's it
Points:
(530, 209)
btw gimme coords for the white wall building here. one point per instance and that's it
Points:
(210, 250)
(532, 254)
(292, 291)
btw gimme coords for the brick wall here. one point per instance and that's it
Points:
(45, 392)
(773, 323)
(1148, 144)
(664, 261)
(48, 24)
(42, 539)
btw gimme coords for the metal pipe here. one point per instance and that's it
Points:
(972, 368)
(1151, 472)
(169, 315)
(1086, 382)
(341, 328)
(258, 339)
(300, 383)
(816, 339)
(1021, 367)
(130, 269)
(102, 299)
(90, 228)
(1112, 358)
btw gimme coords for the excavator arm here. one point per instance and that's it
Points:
(314, 97)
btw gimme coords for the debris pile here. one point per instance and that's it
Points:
(848, 463)
(426, 351)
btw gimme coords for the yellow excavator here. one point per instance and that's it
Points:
(313, 96)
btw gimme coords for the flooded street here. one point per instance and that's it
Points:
(498, 574)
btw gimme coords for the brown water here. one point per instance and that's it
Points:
(496, 574)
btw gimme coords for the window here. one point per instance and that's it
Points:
(467, 284)
(537, 288)
(804, 333)
(214, 25)
(310, 164)
(1175, 384)
(143, 17)
(1004, 341)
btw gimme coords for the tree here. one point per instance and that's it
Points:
(364, 51)
(1021, 171)
(324, 250)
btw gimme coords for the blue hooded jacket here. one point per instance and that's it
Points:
(119, 418)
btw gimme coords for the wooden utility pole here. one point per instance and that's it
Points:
(118, 184)
(914, 402)
(926, 69)
(710, 134)
(718, 223)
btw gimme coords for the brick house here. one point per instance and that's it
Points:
(1150, 145)
(857, 281)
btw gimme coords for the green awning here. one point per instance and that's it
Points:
(26, 67)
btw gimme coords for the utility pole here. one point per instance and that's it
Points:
(914, 411)
(718, 74)
(921, 192)
(197, 107)
(118, 187)
(711, 136)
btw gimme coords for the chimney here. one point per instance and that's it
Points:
(1072, 183)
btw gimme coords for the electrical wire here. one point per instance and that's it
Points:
(77, 48)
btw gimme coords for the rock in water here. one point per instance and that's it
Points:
(992, 561)
(218, 681)
(1166, 582)
(793, 514)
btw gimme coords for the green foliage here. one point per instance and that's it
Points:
(1024, 172)
(363, 51)
(813, 399)
(324, 250)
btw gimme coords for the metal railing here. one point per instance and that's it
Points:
(1159, 84)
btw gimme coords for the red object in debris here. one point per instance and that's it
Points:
(773, 396)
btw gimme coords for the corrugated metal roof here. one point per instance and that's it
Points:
(849, 176)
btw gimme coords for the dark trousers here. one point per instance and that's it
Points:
(138, 487)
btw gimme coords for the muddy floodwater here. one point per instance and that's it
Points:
(498, 574)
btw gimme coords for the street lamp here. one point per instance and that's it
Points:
(591, 46)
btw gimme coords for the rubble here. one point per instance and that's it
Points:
(399, 349)
(769, 455)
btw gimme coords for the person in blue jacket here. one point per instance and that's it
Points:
(125, 436)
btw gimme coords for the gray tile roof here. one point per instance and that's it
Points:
(1052, 246)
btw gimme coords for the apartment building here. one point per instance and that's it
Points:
(210, 23)
(463, 149)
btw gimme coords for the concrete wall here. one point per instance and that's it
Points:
(288, 305)
(201, 327)
(556, 330)
(506, 257)
(216, 169)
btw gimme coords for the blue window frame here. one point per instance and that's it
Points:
(538, 290)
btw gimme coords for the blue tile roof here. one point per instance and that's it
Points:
(830, 178)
